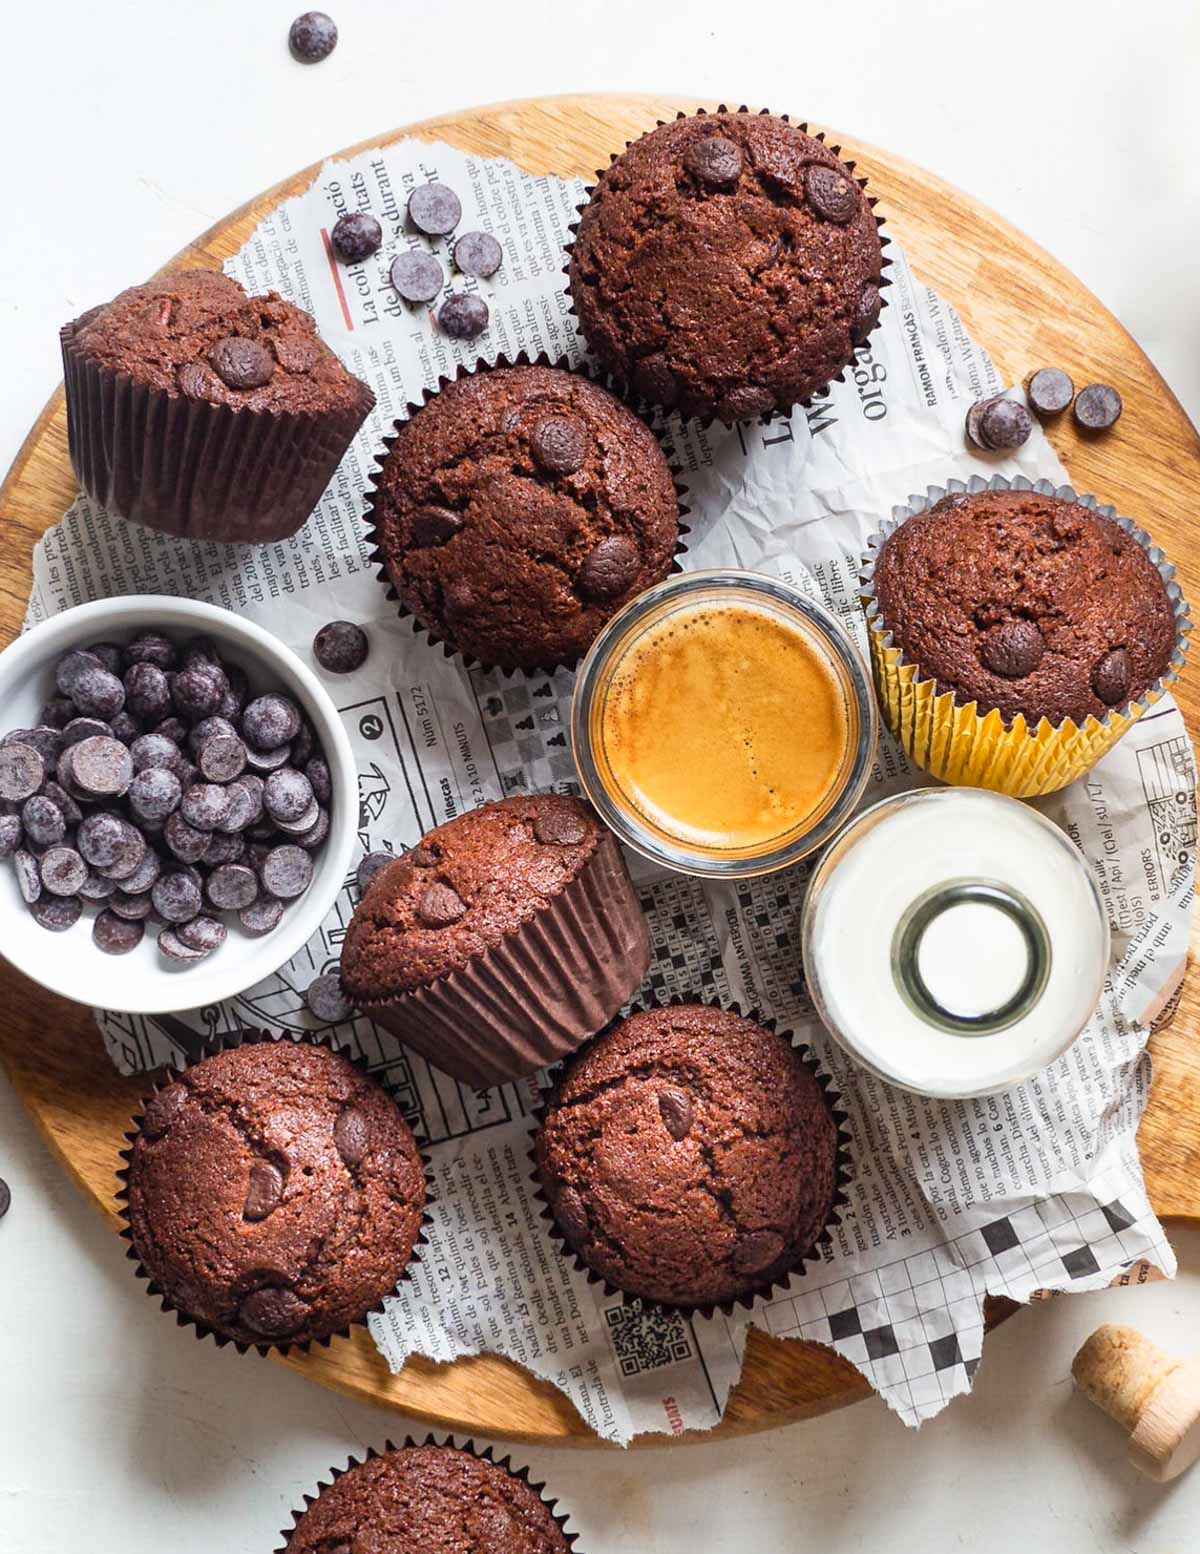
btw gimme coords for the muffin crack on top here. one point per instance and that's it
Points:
(727, 265)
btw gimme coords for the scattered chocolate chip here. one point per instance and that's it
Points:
(417, 276)
(571, 1214)
(609, 568)
(298, 352)
(63, 871)
(43, 821)
(274, 1313)
(261, 916)
(561, 826)
(559, 444)
(29, 875)
(434, 209)
(675, 1107)
(1049, 391)
(312, 37)
(116, 935)
(434, 526)
(1113, 676)
(477, 253)
(716, 161)
(202, 933)
(341, 647)
(176, 897)
(242, 363)
(270, 721)
(1097, 407)
(370, 865)
(423, 856)
(22, 771)
(1013, 649)
(654, 380)
(831, 194)
(463, 316)
(287, 871)
(56, 913)
(356, 236)
(440, 906)
(263, 1192)
(351, 1131)
(162, 1110)
(231, 886)
(328, 1002)
(757, 1250)
(1004, 424)
(866, 313)
(154, 793)
(196, 381)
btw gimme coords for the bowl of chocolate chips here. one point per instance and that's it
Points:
(178, 804)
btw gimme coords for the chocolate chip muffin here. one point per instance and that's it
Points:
(1026, 603)
(518, 510)
(428, 1500)
(689, 1156)
(197, 409)
(501, 941)
(275, 1194)
(727, 265)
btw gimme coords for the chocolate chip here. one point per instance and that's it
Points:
(312, 37)
(831, 194)
(205, 805)
(267, 760)
(559, 444)
(116, 935)
(162, 1110)
(176, 897)
(125, 727)
(287, 871)
(10, 835)
(477, 253)
(745, 402)
(63, 871)
(261, 916)
(370, 865)
(151, 648)
(341, 647)
(102, 766)
(56, 913)
(434, 526)
(716, 161)
(319, 780)
(434, 209)
(231, 886)
(560, 825)
(272, 1312)
(130, 908)
(245, 807)
(1049, 391)
(356, 236)
(185, 841)
(303, 745)
(96, 887)
(287, 795)
(463, 316)
(153, 752)
(327, 1000)
(196, 381)
(197, 692)
(99, 839)
(130, 852)
(174, 729)
(1003, 424)
(571, 1214)
(1013, 649)
(70, 666)
(143, 876)
(43, 821)
(22, 771)
(57, 712)
(610, 568)
(242, 363)
(351, 1132)
(299, 352)
(29, 875)
(223, 847)
(1097, 407)
(675, 1107)
(6, 1203)
(654, 380)
(757, 1250)
(147, 692)
(417, 276)
(202, 933)
(1113, 676)
(866, 313)
(79, 729)
(154, 793)
(222, 757)
(303, 823)
(263, 1192)
(97, 693)
(270, 721)
(173, 947)
(440, 906)
(424, 855)
(312, 838)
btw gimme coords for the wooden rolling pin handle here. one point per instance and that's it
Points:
(1153, 1396)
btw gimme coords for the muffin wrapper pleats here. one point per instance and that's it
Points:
(196, 470)
(766, 1289)
(541, 992)
(200, 1328)
(625, 389)
(521, 359)
(484, 1454)
(955, 741)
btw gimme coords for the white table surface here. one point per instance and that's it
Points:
(128, 127)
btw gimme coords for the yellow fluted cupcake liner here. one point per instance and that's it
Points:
(955, 741)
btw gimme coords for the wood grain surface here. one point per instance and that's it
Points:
(1028, 311)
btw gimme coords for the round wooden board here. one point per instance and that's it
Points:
(1028, 311)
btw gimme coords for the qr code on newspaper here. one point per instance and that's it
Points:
(647, 1340)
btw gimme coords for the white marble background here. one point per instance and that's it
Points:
(130, 126)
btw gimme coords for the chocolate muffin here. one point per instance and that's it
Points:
(727, 265)
(197, 409)
(428, 1500)
(689, 1156)
(275, 1193)
(501, 941)
(518, 510)
(1026, 603)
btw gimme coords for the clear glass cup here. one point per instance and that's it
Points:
(684, 593)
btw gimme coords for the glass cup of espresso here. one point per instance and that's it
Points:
(724, 724)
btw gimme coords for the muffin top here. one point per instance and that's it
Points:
(689, 1156)
(197, 335)
(1026, 603)
(726, 265)
(462, 888)
(275, 1193)
(519, 509)
(427, 1500)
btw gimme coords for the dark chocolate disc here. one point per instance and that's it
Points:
(434, 209)
(675, 1108)
(1097, 407)
(715, 161)
(242, 363)
(417, 276)
(610, 568)
(831, 194)
(1113, 676)
(1049, 391)
(440, 906)
(1013, 649)
(477, 253)
(463, 316)
(434, 526)
(559, 444)
(356, 236)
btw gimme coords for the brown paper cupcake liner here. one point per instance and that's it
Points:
(764, 1290)
(955, 742)
(626, 390)
(486, 1454)
(528, 1001)
(202, 1329)
(196, 470)
(375, 537)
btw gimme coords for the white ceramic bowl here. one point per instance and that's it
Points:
(144, 981)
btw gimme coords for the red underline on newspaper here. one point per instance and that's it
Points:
(337, 279)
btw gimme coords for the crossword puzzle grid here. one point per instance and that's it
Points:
(528, 728)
